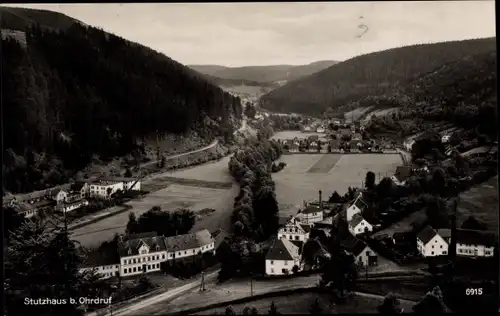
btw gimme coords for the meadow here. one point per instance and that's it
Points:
(306, 174)
(298, 134)
(170, 195)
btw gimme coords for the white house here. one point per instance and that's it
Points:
(430, 243)
(294, 230)
(104, 188)
(445, 139)
(282, 257)
(128, 183)
(65, 207)
(58, 195)
(356, 207)
(359, 225)
(81, 188)
(188, 245)
(307, 129)
(310, 215)
(363, 254)
(320, 130)
(313, 146)
(104, 263)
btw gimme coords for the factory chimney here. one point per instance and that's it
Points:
(320, 201)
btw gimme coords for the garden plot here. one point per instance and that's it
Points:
(294, 184)
(292, 134)
(325, 163)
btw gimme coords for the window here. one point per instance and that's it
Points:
(171, 255)
(272, 262)
(139, 268)
(291, 237)
(432, 253)
(286, 262)
(432, 246)
(185, 252)
(163, 256)
(179, 253)
(135, 261)
(135, 269)
(441, 247)
(445, 252)
(296, 237)
(194, 251)
(272, 270)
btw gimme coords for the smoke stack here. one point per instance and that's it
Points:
(320, 200)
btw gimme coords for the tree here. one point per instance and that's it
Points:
(431, 304)
(295, 269)
(273, 310)
(474, 224)
(229, 311)
(315, 308)
(335, 198)
(12, 219)
(250, 110)
(132, 225)
(44, 264)
(339, 274)
(128, 173)
(384, 188)
(390, 305)
(370, 180)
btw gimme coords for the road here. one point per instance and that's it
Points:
(216, 293)
(212, 144)
(129, 310)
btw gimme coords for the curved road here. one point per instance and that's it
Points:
(188, 296)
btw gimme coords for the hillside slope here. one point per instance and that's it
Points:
(77, 93)
(463, 92)
(21, 19)
(378, 74)
(263, 74)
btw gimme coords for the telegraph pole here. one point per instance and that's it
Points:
(202, 285)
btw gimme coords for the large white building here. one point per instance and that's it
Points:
(471, 243)
(282, 257)
(188, 245)
(356, 207)
(363, 254)
(106, 264)
(294, 230)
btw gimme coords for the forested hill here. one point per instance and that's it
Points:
(77, 92)
(378, 74)
(263, 74)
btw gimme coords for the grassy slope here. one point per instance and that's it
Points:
(20, 19)
(376, 74)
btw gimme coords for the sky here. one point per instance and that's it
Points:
(244, 34)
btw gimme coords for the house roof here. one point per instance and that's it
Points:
(402, 173)
(130, 246)
(353, 244)
(77, 186)
(188, 241)
(54, 192)
(219, 236)
(305, 227)
(475, 237)
(356, 219)
(310, 209)
(360, 203)
(444, 232)
(100, 257)
(282, 249)
(426, 234)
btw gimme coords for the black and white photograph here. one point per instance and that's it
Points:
(249, 158)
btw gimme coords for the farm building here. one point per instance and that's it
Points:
(80, 187)
(188, 245)
(359, 225)
(430, 243)
(471, 243)
(65, 207)
(282, 257)
(58, 195)
(294, 230)
(363, 254)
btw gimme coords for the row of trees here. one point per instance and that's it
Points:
(255, 212)
(164, 223)
(81, 90)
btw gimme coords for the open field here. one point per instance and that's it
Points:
(402, 225)
(170, 195)
(481, 202)
(298, 134)
(357, 113)
(325, 164)
(294, 184)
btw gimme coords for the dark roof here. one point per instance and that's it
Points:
(426, 234)
(444, 232)
(188, 241)
(402, 173)
(356, 219)
(283, 220)
(100, 257)
(310, 209)
(353, 245)
(130, 247)
(475, 237)
(297, 243)
(306, 227)
(77, 186)
(54, 192)
(219, 235)
(360, 203)
(279, 251)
